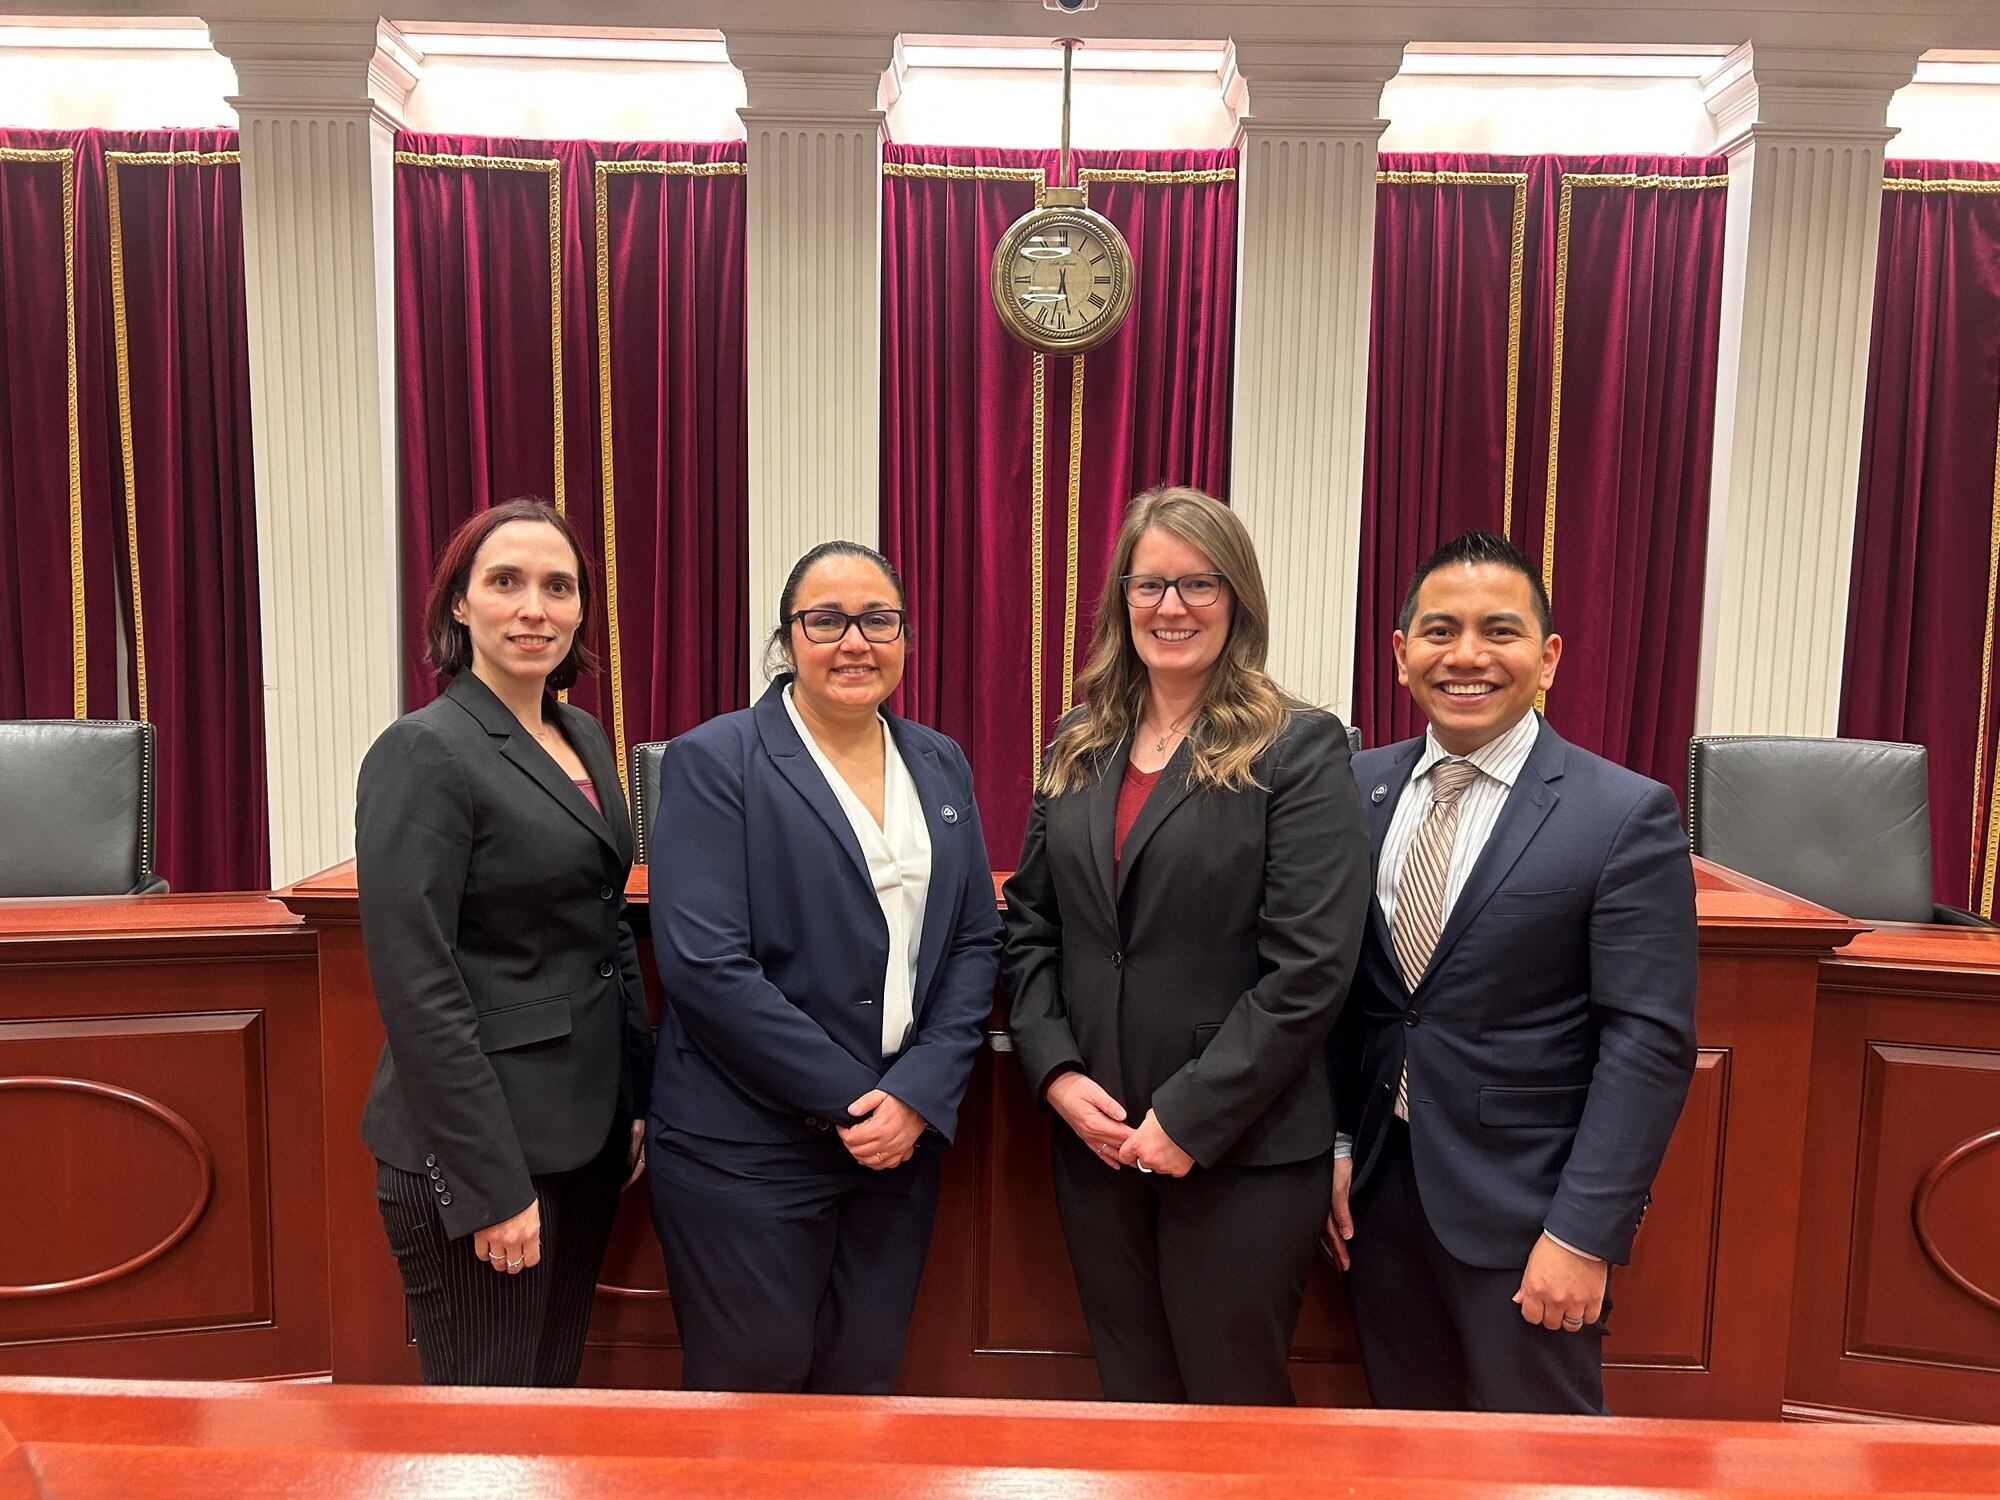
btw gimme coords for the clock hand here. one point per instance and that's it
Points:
(1062, 282)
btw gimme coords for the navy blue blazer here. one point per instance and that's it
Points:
(1551, 1039)
(772, 946)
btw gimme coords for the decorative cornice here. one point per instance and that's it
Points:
(1825, 93)
(808, 75)
(319, 68)
(1315, 86)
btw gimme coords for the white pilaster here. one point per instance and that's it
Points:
(814, 134)
(1804, 130)
(318, 266)
(1306, 254)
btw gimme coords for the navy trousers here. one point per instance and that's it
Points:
(1439, 1335)
(793, 1267)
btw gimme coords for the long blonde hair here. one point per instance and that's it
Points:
(1241, 710)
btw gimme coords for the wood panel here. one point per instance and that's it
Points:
(160, 1114)
(105, 1440)
(1898, 1264)
(1702, 1314)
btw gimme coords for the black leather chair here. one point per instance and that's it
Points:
(1353, 738)
(645, 773)
(76, 815)
(1844, 823)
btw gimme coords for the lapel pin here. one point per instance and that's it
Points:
(1379, 793)
(948, 813)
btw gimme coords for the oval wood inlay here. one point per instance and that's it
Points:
(1942, 1168)
(188, 1137)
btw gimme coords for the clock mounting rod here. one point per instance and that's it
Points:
(1069, 44)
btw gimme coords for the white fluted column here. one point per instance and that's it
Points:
(1306, 254)
(814, 129)
(318, 261)
(1804, 131)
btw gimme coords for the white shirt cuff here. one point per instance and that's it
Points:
(1343, 1146)
(1564, 1243)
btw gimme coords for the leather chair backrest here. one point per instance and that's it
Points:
(645, 772)
(1353, 738)
(76, 807)
(1844, 823)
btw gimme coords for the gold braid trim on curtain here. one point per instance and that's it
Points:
(605, 171)
(1992, 809)
(1035, 606)
(554, 171)
(1517, 259)
(78, 640)
(121, 342)
(966, 174)
(1570, 182)
(1940, 185)
(1087, 175)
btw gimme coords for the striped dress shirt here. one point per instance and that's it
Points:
(1499, 762)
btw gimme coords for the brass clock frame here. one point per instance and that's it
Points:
(1061, 209)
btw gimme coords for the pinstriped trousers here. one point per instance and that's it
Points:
(478, 1326)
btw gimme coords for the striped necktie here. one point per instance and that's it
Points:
(1419, 917)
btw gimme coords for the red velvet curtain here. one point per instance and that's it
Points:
(1920, 626)
(59, 571)
(164, 489)
(1561, 312)
(511, 353)
(190, 518)
(959, 417)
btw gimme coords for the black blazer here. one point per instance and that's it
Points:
(492, 910)
(1204, 988)
(1551, 1040)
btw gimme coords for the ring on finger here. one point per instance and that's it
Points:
(1569, 1322)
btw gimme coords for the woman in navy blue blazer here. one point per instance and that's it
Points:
(828, 943)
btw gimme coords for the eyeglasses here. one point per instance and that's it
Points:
(1149, 590)
(826, 626)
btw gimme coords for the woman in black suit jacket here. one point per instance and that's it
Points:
(491, 850)
(1180, 936)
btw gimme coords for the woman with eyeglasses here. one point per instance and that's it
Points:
(1180, 936)
(827, 943)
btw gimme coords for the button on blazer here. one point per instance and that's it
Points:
(772, 945)
(1200, 979)
(493, 914)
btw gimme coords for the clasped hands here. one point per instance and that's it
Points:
(885, 1131)
(1099, 1122)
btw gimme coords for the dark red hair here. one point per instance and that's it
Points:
(447, 643)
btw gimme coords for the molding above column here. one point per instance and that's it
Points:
(1829, 93)
(802, 76)
(1317, 87)
(1306, 259)
(322, 69)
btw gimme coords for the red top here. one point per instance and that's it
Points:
(1132, 794)
(589, 789)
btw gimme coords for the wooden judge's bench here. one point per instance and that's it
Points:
(181, 1083)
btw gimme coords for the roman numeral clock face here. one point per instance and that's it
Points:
(1062, 279)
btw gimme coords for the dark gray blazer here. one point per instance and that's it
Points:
(1551, 1040)
(1204, 985)
(492, 910)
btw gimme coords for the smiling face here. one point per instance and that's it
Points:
(521, 604)
(1178, 645)
(1475, 657)
(852, 675)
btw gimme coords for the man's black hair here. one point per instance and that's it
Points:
(1478, 547)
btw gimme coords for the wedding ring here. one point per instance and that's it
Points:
(1569, 1322)
(513, 1263)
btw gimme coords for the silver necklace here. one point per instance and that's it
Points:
(1172, 731)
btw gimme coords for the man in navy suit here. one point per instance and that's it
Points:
(1520, 1035)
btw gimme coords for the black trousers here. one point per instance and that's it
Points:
(793, 1267)
(1191, 1286)
(1440, 1335)
(478, 1326)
